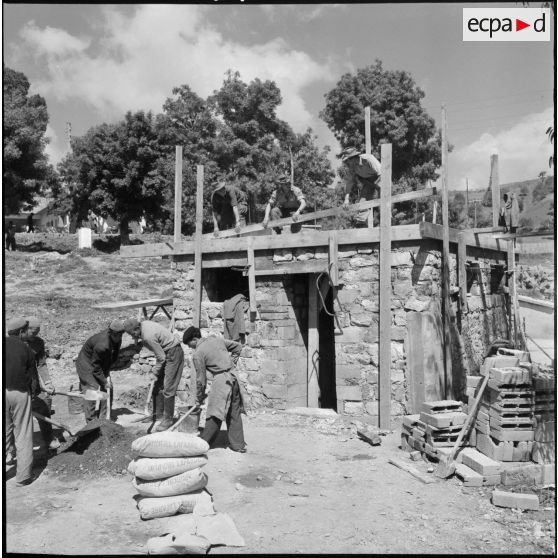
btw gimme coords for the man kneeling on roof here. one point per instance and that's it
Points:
(219, 357)
(285, 201)
(229, 207)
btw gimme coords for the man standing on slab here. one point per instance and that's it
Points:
(93, 365)
(170, 362)
(218, 356)
(19, 376)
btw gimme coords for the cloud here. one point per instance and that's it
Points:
(55, 148)
(141, 57)
(523, 151)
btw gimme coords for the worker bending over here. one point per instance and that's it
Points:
(229, 207)
(94, 362)
(363, 171)
(168, 368)
(19, 377)
(218, 356)
(285, 201)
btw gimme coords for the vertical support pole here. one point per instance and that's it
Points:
(367, 131)
(385, 291)
(178, 194)
(445, 260)
(467, 202)
(251, 278)
(196, 310)
(333, 268)
(313, 366)
(511, 292)
(462, 269)
(495, 186)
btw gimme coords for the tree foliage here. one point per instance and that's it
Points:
(26, 169)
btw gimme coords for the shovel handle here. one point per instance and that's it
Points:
(71, 394)
(179, 421)
(53, 422)
(149, 395)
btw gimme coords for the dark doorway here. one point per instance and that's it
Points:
(326, 381)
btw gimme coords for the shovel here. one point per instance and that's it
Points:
(179, 421)
(88, 394)
(146, 410)
(83, 432)
(446, 466)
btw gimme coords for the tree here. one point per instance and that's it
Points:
(396, 117)
(26, 168)
(543, 187)
(457, 211)
(113, 170)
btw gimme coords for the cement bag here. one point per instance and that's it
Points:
(152, 469)
(150, 508)
(173, 486)
(169, 444)
(178, 544)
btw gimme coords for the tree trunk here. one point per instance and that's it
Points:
(124, 232)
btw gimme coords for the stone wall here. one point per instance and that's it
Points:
(273, 365)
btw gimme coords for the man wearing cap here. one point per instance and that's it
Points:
(218, 356)
(93, 365)
(19, 377)
(286, 201)
(168, 368)
(42, 400)
(362, 170)
(229, 207)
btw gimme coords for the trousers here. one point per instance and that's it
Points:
(277, 213)
(89, 406)
(19, 427)
(42, 404)
(169, 379)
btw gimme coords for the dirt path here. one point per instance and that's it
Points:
(296, 490)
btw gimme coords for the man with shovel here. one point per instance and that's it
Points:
(93, 365)
(19, 377)
(170, 362)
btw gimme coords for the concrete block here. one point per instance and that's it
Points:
(522, 451)
(468, 475)
(443, 420)
(441, 406)
(512, 435)
(497, 361)
(511, 375)
(491, 480)
(514, 500)
(350, 335)
(548, 473)
(349, 393)
(347, 371)
(527, 474)
(473, 381)
(480, 463)
(410, 420)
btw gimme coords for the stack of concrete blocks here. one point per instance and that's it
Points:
(435, 430)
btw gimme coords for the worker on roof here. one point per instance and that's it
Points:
(287, 200)
(94, 362)
(42, 398)
(229, 207)
(363, 171)
(219, 357)
(167, 371)
(19, 378)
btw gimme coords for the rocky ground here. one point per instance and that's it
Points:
(306, 484)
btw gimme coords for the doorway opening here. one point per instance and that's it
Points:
(326, 332)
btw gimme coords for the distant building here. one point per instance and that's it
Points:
(44, 218)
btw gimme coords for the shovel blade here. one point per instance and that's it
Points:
(445, 469)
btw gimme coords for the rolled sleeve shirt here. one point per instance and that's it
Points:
(290, 198)
(159, 339)
(366, 167)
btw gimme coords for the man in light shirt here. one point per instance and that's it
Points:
(361, 170)
(168, 368)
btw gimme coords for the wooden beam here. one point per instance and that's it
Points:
(128, 304)
(333, 258)
(252, 279)
(323, 213)
(198, 249)
(462, 269)
(430, 230)
(511, 291)
(446, 302)
(415, 362)
(178, 194)
(545, 306)
(310, 266)
(384, 378)
(495, 186)
(313, 366)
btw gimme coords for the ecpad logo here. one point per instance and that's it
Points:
(506, 24)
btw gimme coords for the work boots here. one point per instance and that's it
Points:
(168, 418)
(158, 405)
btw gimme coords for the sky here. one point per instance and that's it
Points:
(92, 63)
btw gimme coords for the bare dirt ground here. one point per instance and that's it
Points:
(306, 485)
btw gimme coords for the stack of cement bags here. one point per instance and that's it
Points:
(168, 474)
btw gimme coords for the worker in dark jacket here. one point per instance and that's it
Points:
(93, 365)
(218, 356)
(19, 377)
(42, 400)
(229, 207)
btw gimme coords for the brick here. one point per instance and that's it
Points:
(528, 474)
(480, 463)
(443, 420)
(468, 475)
(548, 474)
(514, 500)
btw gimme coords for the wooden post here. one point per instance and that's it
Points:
(446, 303)
(333, 259)
(251, 279)
(495, 185)
(385, 291)
(462, 269)
(313, 366)
(511, 292)
(178, 194)
(367, 131)
(196, 310)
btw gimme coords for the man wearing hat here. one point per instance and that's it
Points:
(361, 170)
(218, 356)
(285, 201)
(19, 377)
(93, 365)
(42, 400)
(229, 207)
(168, 368)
